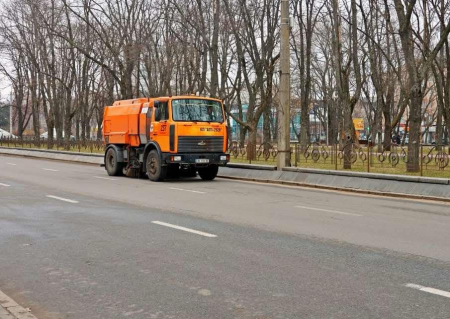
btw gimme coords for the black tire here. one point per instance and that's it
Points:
(156, 172)
(112, 166)
(208, 173)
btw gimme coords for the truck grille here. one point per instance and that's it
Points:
(200, 144)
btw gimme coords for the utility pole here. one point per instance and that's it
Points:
(284, 145)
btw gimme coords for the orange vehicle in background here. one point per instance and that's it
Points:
(165, 136)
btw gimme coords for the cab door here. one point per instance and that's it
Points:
(159, 129)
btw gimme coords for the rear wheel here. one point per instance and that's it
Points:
(208, 173)
(155, 171)
(113, 167)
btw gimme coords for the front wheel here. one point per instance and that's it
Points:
(113, 167)
(208, 173)
(155, 171)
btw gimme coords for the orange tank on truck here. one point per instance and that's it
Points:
(165, 137)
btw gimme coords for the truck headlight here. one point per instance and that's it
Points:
(177, 158)
(223, 157)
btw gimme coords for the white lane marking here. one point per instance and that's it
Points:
(4, 185)
(50, 169)
(184, 229)
(329, 211)
(430, 290)
(107, 178)
(186, 190)
(12, 164)
(13, 307)
(63, 199)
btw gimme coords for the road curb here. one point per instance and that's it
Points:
(9, 309)
(252, 166)
(393, 177)
(84, 158)
(340, 189)
(52, 151)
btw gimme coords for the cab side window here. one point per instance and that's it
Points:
(162, 112)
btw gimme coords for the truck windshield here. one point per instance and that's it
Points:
(196, 110)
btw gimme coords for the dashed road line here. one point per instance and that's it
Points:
(430, 290)
(62, 199)
(50, 169)
(4, 185)
(12, 164)
(189, 230)
(106, 178)
(186, 190)
(329, 211)
(11, 309)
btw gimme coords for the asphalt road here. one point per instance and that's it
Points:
(75, 243)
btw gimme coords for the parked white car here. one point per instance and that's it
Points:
(45, 135)
(4, 133)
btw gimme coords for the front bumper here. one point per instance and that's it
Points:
(192, 158)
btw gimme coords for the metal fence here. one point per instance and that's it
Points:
(434, 160)
(89, 146)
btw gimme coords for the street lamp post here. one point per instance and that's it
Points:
(284, 146)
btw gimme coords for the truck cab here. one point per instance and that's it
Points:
(165, 136)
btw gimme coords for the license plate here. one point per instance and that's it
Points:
(202, 160)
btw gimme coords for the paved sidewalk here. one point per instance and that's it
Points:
(9, 309)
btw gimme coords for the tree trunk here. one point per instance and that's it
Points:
(242, 133)
(50, 137)
(88, 131)
(214, 50)
(305, 138)
(77, 128)
(387, 126)
(415, 122)
(67, 132)
(332, 125)
(348, 137)
(83, 127)
(19, 112)
(379, 124)
(35, 109)
(266, 126)
(251, 145)
(439, 127)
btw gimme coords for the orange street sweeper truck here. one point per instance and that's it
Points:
(165, 136)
